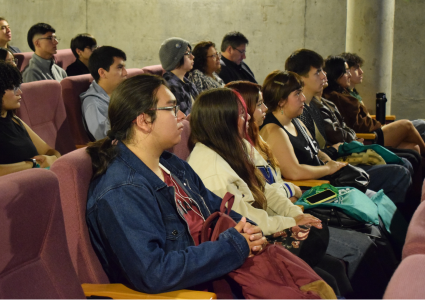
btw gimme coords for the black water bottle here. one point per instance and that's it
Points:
(381, 101)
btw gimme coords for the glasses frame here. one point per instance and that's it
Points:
(51, 38)
(215, 56)
(188, 53)
(241, 52)
(169, 108)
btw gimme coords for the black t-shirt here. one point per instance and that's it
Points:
(77, 68)
(302, 148)
(15, 142)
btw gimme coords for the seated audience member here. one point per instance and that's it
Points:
(107, 66)
(133, 214)
(264, 158)
(223, 157)
(233, 49)
(21, 148)
(82, 47)
(206, 63)
(355, 64)
(283, 132)
(43, 41)
(399, 134)
(6, 36)
(177, 59)
(7, 56)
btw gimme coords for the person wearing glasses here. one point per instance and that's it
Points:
(233, 50)
(176, 59)
(6, 36)
(146, 207)
(107, 66)
(21, 148)
(43, 41)
(7, 56)
(206, 64)
(82, 47)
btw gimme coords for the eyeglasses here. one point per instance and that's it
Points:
(51, 38)
(15, 61)
(176, 109)
(188, 52)
(16, 89)
(241, 52)
(215, 56)
(92, 48)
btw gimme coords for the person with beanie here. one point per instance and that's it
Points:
(176, 59)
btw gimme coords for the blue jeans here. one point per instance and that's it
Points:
(393, 179)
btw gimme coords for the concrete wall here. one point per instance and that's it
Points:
(408, 87)
(274, 28)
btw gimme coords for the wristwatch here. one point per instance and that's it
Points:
(34, 162)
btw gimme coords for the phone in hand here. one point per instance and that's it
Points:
(321, 197)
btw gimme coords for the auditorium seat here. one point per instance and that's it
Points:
(72, 87)
(155, 70)
(34, 256)
(415, 238)
(64, 58)
(74, 172)
(181, 150)
(408, 281)
(23, 59)
(43, 110)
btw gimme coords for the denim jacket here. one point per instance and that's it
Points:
(140, 238)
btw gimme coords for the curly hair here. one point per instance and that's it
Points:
(352, 59)
(200, 52)
(10, 77)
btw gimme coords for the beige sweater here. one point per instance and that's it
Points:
(219, 178)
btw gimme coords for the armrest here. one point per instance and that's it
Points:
(120, 291)
(387, 118)
(366, 136)
(308, 183)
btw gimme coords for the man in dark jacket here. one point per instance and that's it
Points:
(233, 49)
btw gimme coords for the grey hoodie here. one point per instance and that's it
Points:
(42, 69)
(95, 102)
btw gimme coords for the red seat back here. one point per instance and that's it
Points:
(72, 87)
(134, 72)
(415, 238)
(34, 256)
(43, 110)
(155, 70)
(74, 172)
(64, 58)
(23, 59)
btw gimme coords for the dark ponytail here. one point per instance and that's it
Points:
(131, 98)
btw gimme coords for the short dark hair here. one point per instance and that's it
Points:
(334, 68)
(103, 57)
(352, 59)
(81, 41)
(10, 77)
(234, 39)
(301, 60)
(3, 53)
(278, 85)
(39, 28)
(200, 52)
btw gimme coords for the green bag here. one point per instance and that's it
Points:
(349, 200)
(357, 147)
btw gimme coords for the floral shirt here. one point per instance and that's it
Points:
(204, 82)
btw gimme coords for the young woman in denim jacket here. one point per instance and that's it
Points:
(143, 237)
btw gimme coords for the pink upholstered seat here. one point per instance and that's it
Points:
(74, 172)
(134, 72)
(64, 58)
(34, 257)
(156, 70)
(408, 281)
(181, 150)
(43, 110)
(72, 87)
(23, 59)
(415, 238)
